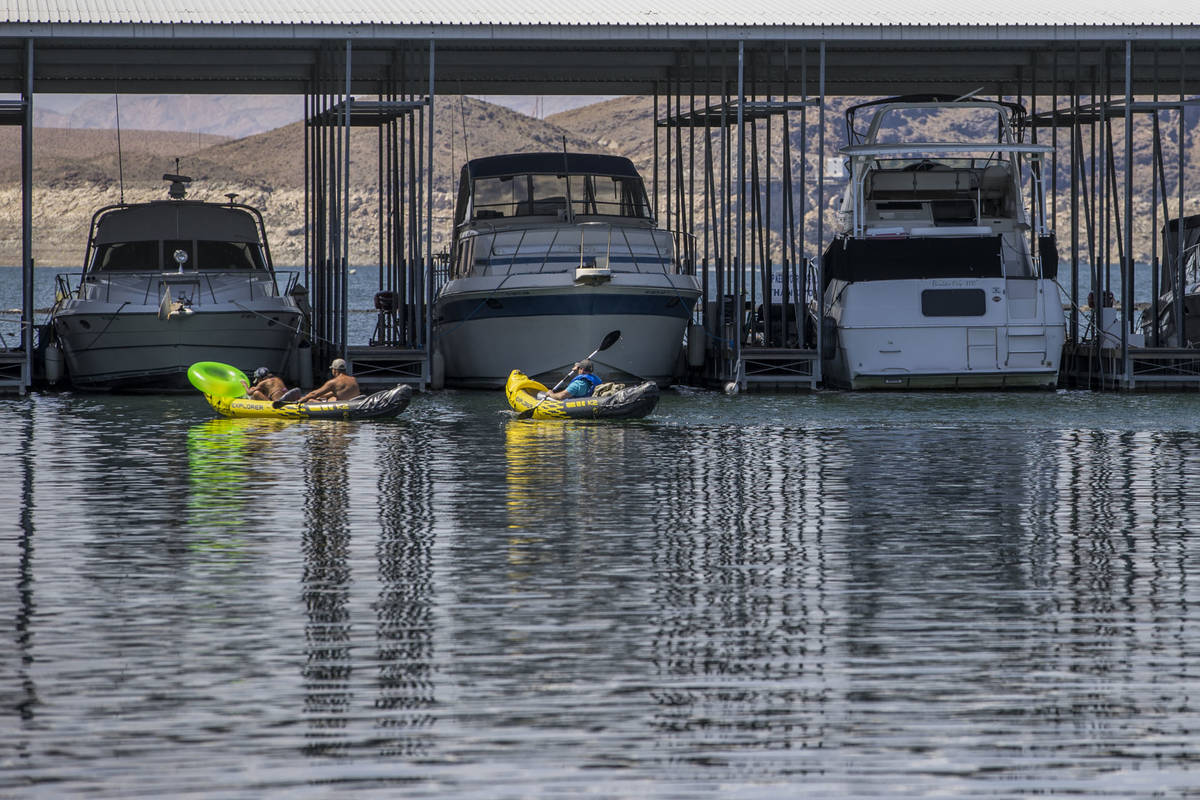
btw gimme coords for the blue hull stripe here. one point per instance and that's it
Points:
(563, 305)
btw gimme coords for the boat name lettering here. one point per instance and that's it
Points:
(957, 284)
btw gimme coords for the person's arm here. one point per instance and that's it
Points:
(319, 393)
(566, 393)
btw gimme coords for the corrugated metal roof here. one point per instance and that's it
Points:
(701, 13)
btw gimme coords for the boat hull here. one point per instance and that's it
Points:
(113, 348)
(547, 328)
(633, 402)
(387, 403)
(883, 339)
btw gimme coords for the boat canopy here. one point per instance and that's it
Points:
(176, 220)
(149, 237)
(559, 185)
(550, 164)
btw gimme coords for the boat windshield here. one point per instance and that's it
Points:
(536, 194)
(159, 256)
(950, 124)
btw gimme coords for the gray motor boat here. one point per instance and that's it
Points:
(166, 284)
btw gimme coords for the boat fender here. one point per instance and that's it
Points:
(220, 380)
(53, 363)
(696, 345)
(437, 371)
(304, 364)
(829, 338)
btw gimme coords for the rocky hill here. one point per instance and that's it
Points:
(77, 171)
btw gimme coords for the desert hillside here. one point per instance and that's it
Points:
(77, 170)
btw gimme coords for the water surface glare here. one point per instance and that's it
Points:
(835, 595)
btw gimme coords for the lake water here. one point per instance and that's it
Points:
(828, 595)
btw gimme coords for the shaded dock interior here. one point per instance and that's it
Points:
(739, 121)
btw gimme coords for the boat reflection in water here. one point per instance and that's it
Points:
(551, 252)
(169, 283)
(368, 690)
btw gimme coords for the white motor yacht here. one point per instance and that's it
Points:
(938, 277)
(551, 252)
(166, 284)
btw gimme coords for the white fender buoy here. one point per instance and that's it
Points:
(53, 363)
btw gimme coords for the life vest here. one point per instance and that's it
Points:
(591, 379)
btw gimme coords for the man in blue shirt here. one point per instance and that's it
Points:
(583, 382)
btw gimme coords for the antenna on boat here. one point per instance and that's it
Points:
(120, 160)
(462, 110)
(567, 180)
(968, 95)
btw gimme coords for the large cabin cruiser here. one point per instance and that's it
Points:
(551, 252)
(166, 284)
(1170, 284)
(938, 278)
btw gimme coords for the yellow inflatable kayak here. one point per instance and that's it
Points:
(387, 403)
(629, 403)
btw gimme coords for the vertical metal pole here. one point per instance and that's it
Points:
(27, 221)
(1156, 176)
(691, 226)
(819, 290)
(725, 277)
(1077, 154)
(1180, 282)
(344, 300)
(739, 300)
(1054, 143)
(668, 164)
(308, 115)
(1127, 261)
(428, 343)
(654, 154)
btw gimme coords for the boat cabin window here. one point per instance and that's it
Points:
(156, 256)
(546, 195)
(229, 256)
(126, 257)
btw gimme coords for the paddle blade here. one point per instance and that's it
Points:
(609, 340)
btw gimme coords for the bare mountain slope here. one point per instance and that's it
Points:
(79, 174)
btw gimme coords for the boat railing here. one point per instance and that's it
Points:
(905, 172)
(539, 248)
(63, 282)
(152, 282)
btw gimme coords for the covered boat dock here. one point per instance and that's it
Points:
(741, 96)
